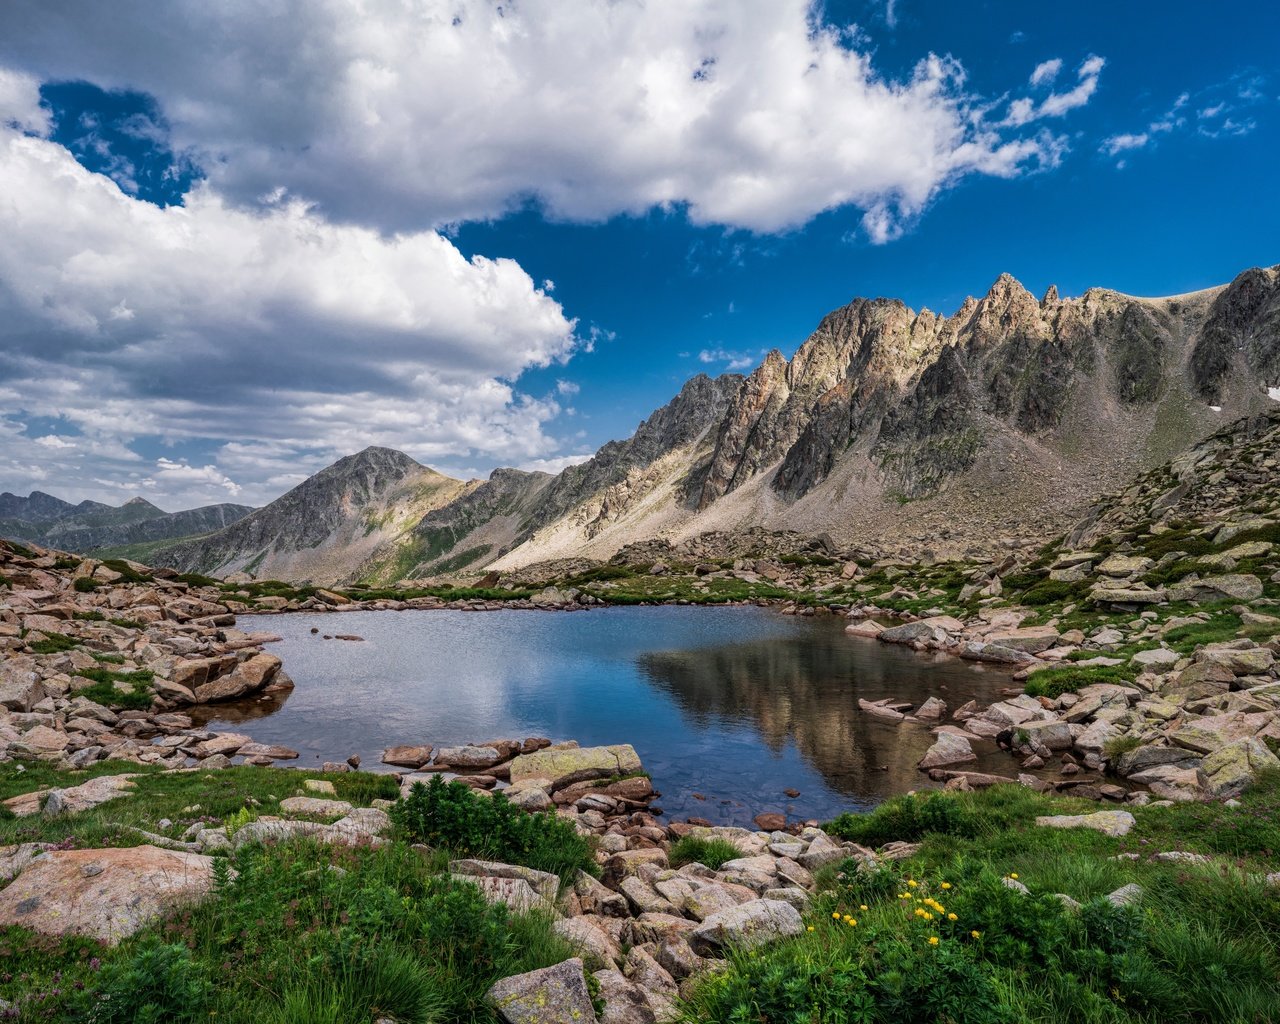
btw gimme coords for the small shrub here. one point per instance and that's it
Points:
(711, 853)
(907, 818)
(85, 585)
(104, 692)
(1054, 682)
(54, 643)
(1121, 745)
(451, 816)
(158, 984)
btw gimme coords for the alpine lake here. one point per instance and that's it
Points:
(728, 707)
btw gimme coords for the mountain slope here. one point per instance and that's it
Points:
(998, 425)
(326, 527)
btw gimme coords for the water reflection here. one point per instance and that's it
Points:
(804, 688)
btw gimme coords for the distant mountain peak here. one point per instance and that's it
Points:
(139, 501)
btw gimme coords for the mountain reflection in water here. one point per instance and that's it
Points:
(727, 707)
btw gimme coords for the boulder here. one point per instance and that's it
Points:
(106, 894)
(947, 750)
(407, 756)
(315, 806)
(576, 764)
(552, 995)
(745, 927)
(1231, 769)
(468, 757)
(74, 798)
(545, 884)
(20, 686)
(596, 947)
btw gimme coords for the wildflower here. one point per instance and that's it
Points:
(975, 934)
(1013, 874)
(912, 882)
(850, 922)
(933, 940)
(862, 906)
(946, 885)
(836, 914)
(952, 917)
(810, 928)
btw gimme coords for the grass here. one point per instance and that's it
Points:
(1054, 682)
(54, 643)
(104, 692)
(711, 853)
(451, 816)
(1199, 947)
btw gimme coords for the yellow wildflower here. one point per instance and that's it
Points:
(933, 940)
(912, 882)
(862, 906)
(810, 928)
(975, 934)
(946, 885)
(1013, 874)
(952, 917)
(850, 922)
(836, 914)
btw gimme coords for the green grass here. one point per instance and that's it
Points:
(1200, 948)
(453, 817)
(711, 853)
(54, 643)
(304, 934)
(1054, 682)
(104, 692)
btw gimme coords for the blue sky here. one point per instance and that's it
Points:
(302, 256)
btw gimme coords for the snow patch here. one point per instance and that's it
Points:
(1273, 394)
(1216, 408)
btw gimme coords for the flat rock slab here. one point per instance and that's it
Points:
(516, 893)
(1109, 823)
(315, 806)
(576, 764)
(745, 927)
(106, 894)
(552, 995)
(543, 883)
(76, 798)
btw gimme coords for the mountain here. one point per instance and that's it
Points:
(891, 429)
(328, 526)
(92, 526)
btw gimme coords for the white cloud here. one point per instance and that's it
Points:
(1046, 72)
(555, 465)
(20, 102)
(1023, 111)
(1119, 143)
(756, 114)
(180, 473)
(54, 441)
(734, 361)
(567, 387)
(274, 326)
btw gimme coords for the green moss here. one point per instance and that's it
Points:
(1054, 682)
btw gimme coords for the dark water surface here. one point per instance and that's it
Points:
(735, 704)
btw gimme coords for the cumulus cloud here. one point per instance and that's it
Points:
(755, 115)
(305, 299)
(125, 319)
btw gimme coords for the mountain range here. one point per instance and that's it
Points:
(893, 429)
(92, 526)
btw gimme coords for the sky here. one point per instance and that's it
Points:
(239, 241)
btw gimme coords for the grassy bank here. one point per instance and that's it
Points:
(948, 936)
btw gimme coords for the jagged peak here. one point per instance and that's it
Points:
(138, 500)
(1050, 296)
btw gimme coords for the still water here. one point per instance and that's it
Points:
(727, 707)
